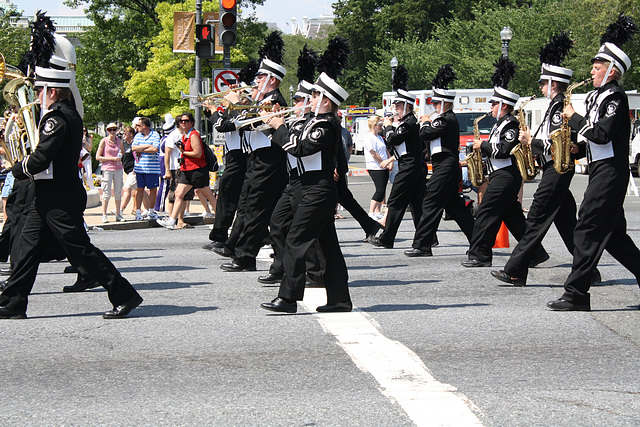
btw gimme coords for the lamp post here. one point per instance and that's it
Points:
(506, 35)
(393, 63)
(291, 95)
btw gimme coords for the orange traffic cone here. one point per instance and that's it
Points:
(502, 238)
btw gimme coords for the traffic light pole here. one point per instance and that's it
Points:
(226, 58)
(198, 72)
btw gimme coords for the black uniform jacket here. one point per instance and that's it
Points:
(442, 135)
(404, 141)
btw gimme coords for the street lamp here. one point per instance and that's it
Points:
(506, 35)
(291, 95)
(393, 63)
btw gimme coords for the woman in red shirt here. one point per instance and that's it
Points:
(193, 169)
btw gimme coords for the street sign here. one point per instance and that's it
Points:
(222, 79)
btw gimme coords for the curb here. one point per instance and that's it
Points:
(146, 223)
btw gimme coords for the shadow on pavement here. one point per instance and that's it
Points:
(415, 307)
(367, 283)
(157, 268)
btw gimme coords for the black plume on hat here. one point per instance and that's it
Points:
(401, 78)
(273, 48)
(444, 77)
(42, 45)
(307, 63)
(248, 73)
(505, 69)
(556, 49)
(335, 58)
(620, 31)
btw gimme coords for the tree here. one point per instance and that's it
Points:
(107, 54)
(14, 42)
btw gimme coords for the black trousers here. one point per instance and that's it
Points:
(499, 203)
(552, 203)
(407, 190)
(235, 168)
(314, 220)
(441, 194)
(601, 225)
(346, 199)
(60, 213)
(263, 186)
(279, 229)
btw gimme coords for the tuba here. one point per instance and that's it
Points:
(21, 135)
(522, 152)
(561, 138)
(474, 160)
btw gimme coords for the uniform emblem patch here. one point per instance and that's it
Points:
(436, 123)
(49, 125)
(317, 133)
(556, 120)
(510, 135)
(611, 108)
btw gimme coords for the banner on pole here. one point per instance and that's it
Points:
(184, 24)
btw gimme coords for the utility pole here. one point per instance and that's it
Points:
(198, 76)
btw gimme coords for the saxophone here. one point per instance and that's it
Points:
(474, 160)
(522, 152)
(561, 138)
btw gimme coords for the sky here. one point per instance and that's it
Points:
(278, 11)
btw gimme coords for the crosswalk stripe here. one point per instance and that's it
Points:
(402, 375)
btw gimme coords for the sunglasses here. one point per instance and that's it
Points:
(184, 121)
(111, 130)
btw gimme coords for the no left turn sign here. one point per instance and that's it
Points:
(222, 79)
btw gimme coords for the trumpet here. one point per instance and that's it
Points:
(247, 122)
(215, 95)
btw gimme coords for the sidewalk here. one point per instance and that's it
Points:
(93, 217)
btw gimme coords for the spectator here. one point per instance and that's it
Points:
(87, 144)
(110, 153)
(145, 146)
(375, 153)
(172, 165)
(193, 172)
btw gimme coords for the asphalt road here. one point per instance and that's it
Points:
(430, 343)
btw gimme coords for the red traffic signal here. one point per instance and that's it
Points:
(205, 32)
(228, 20)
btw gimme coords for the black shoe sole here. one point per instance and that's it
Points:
(509, 281)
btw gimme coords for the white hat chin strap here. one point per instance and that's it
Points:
(318, 104)
(261, 90)
(606, 76)
(549, 89)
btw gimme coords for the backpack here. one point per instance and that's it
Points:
(212, 161)
(128, 161)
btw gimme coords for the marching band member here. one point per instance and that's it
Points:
(552, 201)
(442, 138)
(500, 201)
(60, 200)
(605, 131)
(315, 150)
(266, 167)
(402, 136)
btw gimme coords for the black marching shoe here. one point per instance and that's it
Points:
(223, 252)
(504, 277)
(81, 286)
(270, 279)
(6, 313)
(375, 241)
(209, 246)
(564, 305)
(280, 305)
(5, 271)
(417, 252)
(124, 309)
(537, 260)
(475, 263)
(71, 269)
(339, 307)
(233, 266)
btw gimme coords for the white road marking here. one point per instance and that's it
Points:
(402, 375)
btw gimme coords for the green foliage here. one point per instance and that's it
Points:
(106, 55)
(471, 42)
(292, 47)
(14, 42)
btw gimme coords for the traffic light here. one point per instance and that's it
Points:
(228, 18)
(205, 40)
